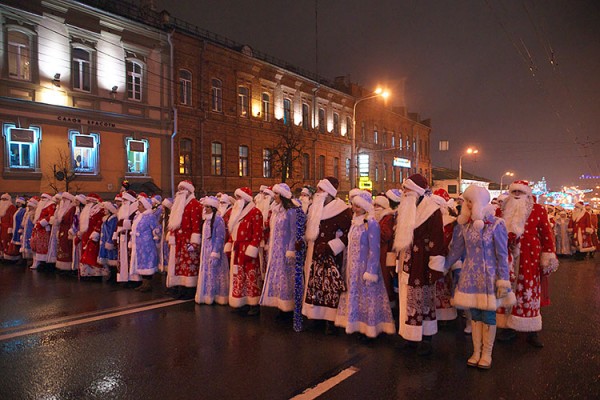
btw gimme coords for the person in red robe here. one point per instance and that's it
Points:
(7, 211)
(64, 219)
(184, 242)
(386, 217)
(40, 236)
(419, 240)
(581, 228)
(90, 226)
(245, 227)
(531, 256)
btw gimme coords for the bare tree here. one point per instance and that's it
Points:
(62, 171)
(289, 148)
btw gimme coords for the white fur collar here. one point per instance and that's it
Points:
(233, 224)
(335, 207)
(424, 210)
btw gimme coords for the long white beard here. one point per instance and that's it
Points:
(264, 203)
(84, 219)
(177, 210)
(515, 214)
(314, 216)
(38, 210)
(223, 209)
(406, 219)
(65, 205)
(236, 210)
(3, 207)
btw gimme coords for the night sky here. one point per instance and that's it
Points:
(520, 80)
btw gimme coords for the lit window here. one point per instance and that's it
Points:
(375, 134)
(82, 71)
(19, 55)
(321, 169)
(376, 174)
(84, 152)
(385, 172)
(243, 162)
(267, 157)
(287, 111)
(185, 87)
(322, 120)
(305, 116)
(305, 166)
(216, 159)
(347, 167)
(185, 156)
(137, 156)
(336, 123)
(134, 80)
(243, 101)
(22, 146)
(393, 140)
(349, 126)
(363, 164)
(400, 142)
(217, 95)
(266, 106)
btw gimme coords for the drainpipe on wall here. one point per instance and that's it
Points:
(170, 39)
(315, 119)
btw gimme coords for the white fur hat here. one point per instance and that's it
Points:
(283, 189)
(364, 200)
(211, 201)
(394, 195)
(382, 201)
(329, 185)
(68, 196)
(187, 185)
(479, 198)
(245, 193)
(110, 207)
(523, 186)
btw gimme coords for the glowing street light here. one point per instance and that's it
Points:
(469, 151)
(379, 92)
(502, 177)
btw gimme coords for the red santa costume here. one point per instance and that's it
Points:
(581, 228)
(386, 217)
(64, 220)
(246, 233)
(184, 241)
(7, 211)
(40, 237)
(444, 310)
(420, 241)
(594, 222)
(89, 233)
(531, 255)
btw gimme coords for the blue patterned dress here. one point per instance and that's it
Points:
(145, 232)
(364, 307)
(27, 232)
(278, 289)
(213, 274)
(107, 255)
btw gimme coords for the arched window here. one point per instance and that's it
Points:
(82, 69)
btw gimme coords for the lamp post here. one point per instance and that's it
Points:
(508, 173)
(469, 151)
(353, 161)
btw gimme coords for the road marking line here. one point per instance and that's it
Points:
(90, 319)
(314, 392)
(66, 318)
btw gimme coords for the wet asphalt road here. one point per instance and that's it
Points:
(186, 351)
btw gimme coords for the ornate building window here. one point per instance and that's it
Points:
(137, 156)
(216, 158)
(85, 152)
(217, 95)
(185, 87)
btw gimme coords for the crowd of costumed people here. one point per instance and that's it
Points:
(404, 261)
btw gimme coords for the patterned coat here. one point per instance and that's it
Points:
(485, 265)
(444, 310)
(278, 289)
(246, 235)
(40, 237)
(324, 262)
(387, 258)
(27, 232)
(90, 244)
(145, 234)
(562, 237)
(213, 277)
(422, 265)
(6, 229)
(533, 255)
(107, 255)
(14, 247)
(364, 307)
(123, 237)
(64, 245)
(184, 242)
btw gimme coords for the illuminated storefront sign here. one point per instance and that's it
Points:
(401, 162)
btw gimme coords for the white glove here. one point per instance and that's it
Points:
(190, 248)
(501, 292)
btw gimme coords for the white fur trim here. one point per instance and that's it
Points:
(503, 284)
(43, 223)
(195, 238)
(481, 301)
(390, 259)
(127, 223)
(215, 255)
(211, 202)
(243, 195)
(337, 246)
(252, 251)
(290, 254)
(95, 236)
(172, 240)
(436, 263)
(187, 186)
(545, 258)
(410, 184)
(370, 277)
(363, 203)
(325, 185)
(227, 247)
(524, 324)
(508, 301)
(456, 265)
(283, 190)
(392, 196)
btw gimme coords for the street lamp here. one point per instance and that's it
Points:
(469, 151)
(353, 172)
(508, 173)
